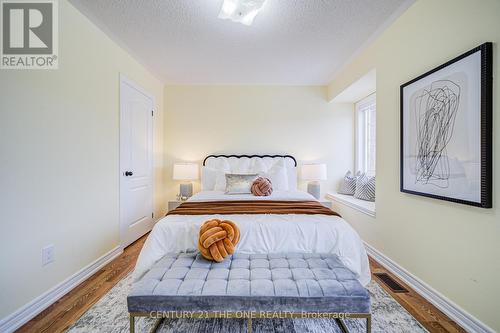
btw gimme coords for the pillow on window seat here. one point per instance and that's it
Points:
(348, 184)
(365, 188)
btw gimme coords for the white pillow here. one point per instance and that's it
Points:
(241, 166)
(277, 175)
(258, 166)
(291, 173)
(215, 178)
(208, 176)
(220, 180)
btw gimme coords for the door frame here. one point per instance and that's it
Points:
(123, 79)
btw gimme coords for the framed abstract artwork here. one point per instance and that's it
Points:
(446, 130)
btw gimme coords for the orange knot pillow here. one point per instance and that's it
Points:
(218, 239)
(262, 187)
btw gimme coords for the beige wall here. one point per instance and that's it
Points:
(454, 248)
(59, 152)
(59, 171)
(201, 120)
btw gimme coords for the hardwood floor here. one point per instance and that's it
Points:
(426, 313)
(63, 313)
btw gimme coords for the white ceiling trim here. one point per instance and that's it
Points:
(377, 33)
(94, 20)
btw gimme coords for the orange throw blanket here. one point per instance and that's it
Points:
(252, 207)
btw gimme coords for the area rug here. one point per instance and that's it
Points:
(110, 314)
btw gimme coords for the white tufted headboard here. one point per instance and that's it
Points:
(242, 164)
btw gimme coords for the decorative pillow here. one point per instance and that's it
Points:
(348, 184)
(262, 187)
(277, 175)
(218, 239)
(365, 188)
(239, 184)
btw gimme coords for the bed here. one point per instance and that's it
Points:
(260, 233)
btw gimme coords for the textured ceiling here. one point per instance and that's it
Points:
(291, 42)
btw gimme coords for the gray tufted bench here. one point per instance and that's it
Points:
(249, 286)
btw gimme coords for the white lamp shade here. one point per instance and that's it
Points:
(313, 172)
(185, 171)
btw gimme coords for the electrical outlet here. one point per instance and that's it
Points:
(48, 254)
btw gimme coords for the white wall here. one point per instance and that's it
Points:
(453, 248)
(59, 171)
(201, 120)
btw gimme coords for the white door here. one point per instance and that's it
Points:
(136, 162)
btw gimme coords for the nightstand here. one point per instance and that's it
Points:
(174, 204)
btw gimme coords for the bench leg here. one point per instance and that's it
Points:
(157, 324)
(342, 325)
(369, 324)
(132, 324)
(249, 327)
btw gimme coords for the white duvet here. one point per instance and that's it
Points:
(261, 233)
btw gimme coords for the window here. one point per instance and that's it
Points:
(365, 134)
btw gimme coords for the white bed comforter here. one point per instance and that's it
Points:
(261, 233)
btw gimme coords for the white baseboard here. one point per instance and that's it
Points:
(452, 310)
(31, 309)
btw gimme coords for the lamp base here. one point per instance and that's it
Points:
(314, 189)
(186, 190)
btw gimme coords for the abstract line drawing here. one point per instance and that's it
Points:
(435, 110)
(446, 130)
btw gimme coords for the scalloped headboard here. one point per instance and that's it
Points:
(241, 164)
(251, 156)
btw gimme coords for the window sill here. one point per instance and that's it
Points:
(366, 207)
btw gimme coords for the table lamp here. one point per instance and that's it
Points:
(185, 172)
(313, 173)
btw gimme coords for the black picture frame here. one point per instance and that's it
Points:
(486, 127)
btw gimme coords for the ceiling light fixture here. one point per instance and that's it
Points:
(242, 11)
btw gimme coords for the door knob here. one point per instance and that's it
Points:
(128, 173)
